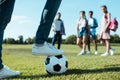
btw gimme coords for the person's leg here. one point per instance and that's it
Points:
(79, 42)
(6, 9)
(103, 42)
(54, 39)
(88, 43)
(84, 42)
(107, 41)
(1, 40)
(95, 42)
(47, 17)
(111, 49)
(59, 40)
(95, 46)
(41, 47)
(83, 45)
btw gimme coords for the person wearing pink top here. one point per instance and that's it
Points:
(105, 32)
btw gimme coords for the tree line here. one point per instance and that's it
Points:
(69, 40)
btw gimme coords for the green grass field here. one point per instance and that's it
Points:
(84, 67)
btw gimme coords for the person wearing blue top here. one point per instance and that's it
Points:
(40, 47)
(92, 24)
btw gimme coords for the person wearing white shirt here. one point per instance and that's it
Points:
(58, 29)
(92, 24)
(82, 30)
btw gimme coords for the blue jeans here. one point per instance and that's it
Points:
(47, 17)
(57, 37)
(82, 32)
(6, 9)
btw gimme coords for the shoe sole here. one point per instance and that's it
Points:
(45, 54)
(10, 76)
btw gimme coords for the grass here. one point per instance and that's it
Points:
(84, 67)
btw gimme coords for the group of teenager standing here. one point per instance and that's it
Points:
(87, 28)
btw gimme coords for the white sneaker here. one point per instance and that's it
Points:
(47, 49)
(6, 73)
(81, 53)
(105, 54)
(112, 51)
(96, 52)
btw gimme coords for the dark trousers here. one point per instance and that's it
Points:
(47, 17)
(88, 43)
(6, 9)
(57, 37)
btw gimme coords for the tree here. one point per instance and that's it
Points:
(71, 39)
(20, 39)
(10, 41)
(29, 40)
(116, 38)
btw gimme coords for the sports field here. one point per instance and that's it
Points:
(84, 67)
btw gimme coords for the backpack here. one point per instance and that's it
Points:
(113, 25)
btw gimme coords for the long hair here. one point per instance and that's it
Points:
(83, 12)
(104, 6)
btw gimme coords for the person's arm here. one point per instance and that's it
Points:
(109, 20)
(63, 28)
(77, 29)
(87, 27)
(53, 26)
(96, 23)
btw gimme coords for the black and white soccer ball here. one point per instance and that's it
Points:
(56, 64)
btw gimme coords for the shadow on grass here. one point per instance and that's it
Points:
(92, 71)
(71, 71)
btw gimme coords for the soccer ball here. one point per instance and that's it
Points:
(56, 64)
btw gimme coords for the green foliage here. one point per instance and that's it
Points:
(29, 41)
(20, 39)
(10, 41)
(115, 38)
(84, 67)
(71, 39)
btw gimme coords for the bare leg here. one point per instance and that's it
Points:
(79, 41)
(107, 45)
(84, 42)
(95, 45)
(88, 43)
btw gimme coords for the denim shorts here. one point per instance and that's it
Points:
(93, 35)
(82, 32)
